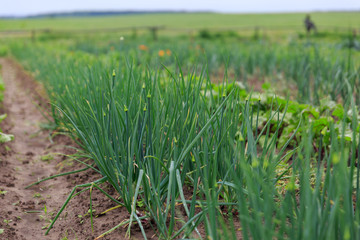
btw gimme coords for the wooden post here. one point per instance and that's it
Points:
(33, 35)
(154, 31)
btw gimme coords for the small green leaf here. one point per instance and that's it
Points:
(2, 117)
(338, 112)
(239, 136)
(6, 137)
(324, 130)
(1, 231)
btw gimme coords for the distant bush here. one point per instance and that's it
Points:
(45, 36)
(205, 33)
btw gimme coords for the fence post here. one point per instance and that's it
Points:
(154, 31)
(33, 35)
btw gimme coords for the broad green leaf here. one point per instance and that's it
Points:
(321, 123)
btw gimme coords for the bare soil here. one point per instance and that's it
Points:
(33, 155)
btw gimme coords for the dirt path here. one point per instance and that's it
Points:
(29, 158)
(32, 156)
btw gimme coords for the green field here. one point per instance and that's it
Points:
(188, 21)
(212, 135)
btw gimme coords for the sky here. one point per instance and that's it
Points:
(31, 7)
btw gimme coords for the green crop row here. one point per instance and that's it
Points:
(313, 69)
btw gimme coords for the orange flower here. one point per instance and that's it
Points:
(168, 52)
(143, 47)
(112, 48)
(161, 53)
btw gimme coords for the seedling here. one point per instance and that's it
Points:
(37, 195)
(47, 157)
(7, 221)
